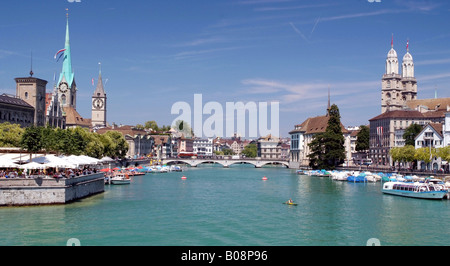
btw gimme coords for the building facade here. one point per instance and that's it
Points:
(269, 147)
(140, 143)
(386, 132)
(203, 147)
(16, 111)
(54, 114)
(32, 91)
(302, 136)
(446, 129)
(430, 137)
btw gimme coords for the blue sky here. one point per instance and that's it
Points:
(156, 53)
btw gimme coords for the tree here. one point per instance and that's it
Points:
(404, 154)
(250, 151)
(119, 146)
(10, 134)
(32, 140)
(411, 133)
(425, 155)
(327, 149)
(151, 125)
(444, 153)
(362, 141)
(317, 154)
(95, 147)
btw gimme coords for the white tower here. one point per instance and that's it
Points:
(391, 83)
(409, 82)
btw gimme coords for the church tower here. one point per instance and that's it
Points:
(67, 88)
(398, 89)
(99, 104)
(391, 83)
(409, 82)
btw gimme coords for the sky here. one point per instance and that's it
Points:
(157, 53)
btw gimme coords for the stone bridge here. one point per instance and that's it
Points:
(258, 163)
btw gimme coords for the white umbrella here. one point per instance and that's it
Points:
(54, 162)
(32, 166)
(107, 159)
(7, 163)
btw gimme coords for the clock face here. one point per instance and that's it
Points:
(98, 104)
(63, 87)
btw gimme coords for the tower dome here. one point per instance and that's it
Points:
(392, 63)
(392, 54)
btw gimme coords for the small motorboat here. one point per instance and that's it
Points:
(121, 179)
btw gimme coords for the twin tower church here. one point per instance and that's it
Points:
(397, 89)
(59, 108)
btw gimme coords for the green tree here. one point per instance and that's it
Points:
(327, 149)
(119, 145)
(444, 153)
(228, 152)
(411, 133)
(151, 125)
(424, 154)
(317, 152)
(250, 151)
(362, 139)
(32, 140)
(10, 134)
(94, 147)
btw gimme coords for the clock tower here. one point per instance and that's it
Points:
(99, 104)
(67, 88)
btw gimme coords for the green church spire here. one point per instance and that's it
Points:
(67, 72)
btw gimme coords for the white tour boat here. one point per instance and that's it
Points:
(426, 190)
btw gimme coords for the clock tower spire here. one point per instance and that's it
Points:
(99, 103)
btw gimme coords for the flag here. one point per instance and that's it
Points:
(92, 81)
(60, 51)
(379, 131)
(407, 46)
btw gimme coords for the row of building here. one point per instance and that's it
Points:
(170, 144)
(399, 109)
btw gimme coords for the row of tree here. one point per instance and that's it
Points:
(73, 141)
(409, 154)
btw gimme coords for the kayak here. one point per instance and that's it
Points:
(293, 204)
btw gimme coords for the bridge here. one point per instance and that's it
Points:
(226, 163)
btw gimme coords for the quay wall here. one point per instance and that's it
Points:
(48, 191)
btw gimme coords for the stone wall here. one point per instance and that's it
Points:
(43, 191)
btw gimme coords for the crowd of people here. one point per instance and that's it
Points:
(49, 173)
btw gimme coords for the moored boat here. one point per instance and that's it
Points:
(121, 179)
(426, 190)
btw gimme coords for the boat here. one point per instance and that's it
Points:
(121, 179)
(290, 203)
(357, 179)
(419, 190)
